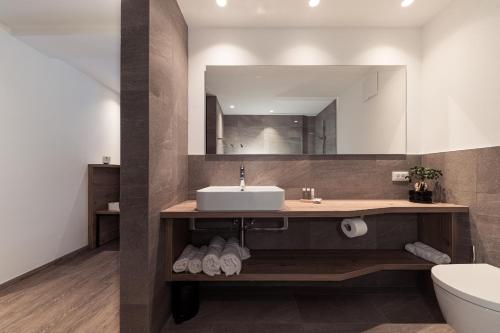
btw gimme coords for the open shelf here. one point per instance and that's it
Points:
(315, 265)
(107, 212)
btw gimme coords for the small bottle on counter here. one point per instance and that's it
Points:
(304, 193)
(312, 194)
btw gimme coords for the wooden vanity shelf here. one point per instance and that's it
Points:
(315, 265)
(436, 227)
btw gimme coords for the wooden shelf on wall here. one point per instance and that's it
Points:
(103, 187)
(328, 208)
(315, 265)
(107, 212)
(113, 166)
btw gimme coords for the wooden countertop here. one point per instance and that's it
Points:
(328, 208)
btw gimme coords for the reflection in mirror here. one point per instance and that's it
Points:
(311, 110)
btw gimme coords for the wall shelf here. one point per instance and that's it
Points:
(107, 212)
(103, 187)
(315, 265)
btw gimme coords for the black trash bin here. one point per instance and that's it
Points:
(185, 301)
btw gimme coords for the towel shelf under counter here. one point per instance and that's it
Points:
(438, 226)
(315, 265)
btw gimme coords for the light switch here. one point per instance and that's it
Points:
(400, 176)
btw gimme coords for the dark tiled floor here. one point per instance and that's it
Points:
(314, 310)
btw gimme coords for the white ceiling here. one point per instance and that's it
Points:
(290, 90)
(86, 33)
(83, 33)
(297, 13)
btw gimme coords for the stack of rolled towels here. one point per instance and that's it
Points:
(219, 256)
(428, 253)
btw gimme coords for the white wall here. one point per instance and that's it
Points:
(54, 121)
(376, 125)
(331, 46)
(461, 77)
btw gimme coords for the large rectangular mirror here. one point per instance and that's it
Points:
(310, 110)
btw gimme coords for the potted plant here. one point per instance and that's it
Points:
(421, 176)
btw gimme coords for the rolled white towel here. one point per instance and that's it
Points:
(211, 260)
(182, 262)
(428, 253)
(245, 253)
(431, 254)
(230, 260)
(411, 248)
(195, 265)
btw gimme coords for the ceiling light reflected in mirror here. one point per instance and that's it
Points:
(314, 3)
(221, 3)
(407, 3)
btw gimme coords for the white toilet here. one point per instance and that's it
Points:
(469, 296)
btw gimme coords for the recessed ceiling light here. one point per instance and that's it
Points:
(221, 3)
(296, 121)
(314, 3)
(272, 111)
(231, 106)
(407, 3)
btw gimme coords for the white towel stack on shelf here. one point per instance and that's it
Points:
(182, 262)
(245, 253)
(219, 254)
(211, 260)
(195, 265)
(232, 256)
(428, 253)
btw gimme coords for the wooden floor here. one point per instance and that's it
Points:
(80, 295)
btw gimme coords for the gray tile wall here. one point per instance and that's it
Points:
(472, 177)
(154, 153)
(334, 177)
(134, 296)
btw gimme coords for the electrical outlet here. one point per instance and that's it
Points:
(400, 176)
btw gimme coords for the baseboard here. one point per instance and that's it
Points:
(57, 261)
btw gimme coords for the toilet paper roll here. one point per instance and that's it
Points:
(354, 227)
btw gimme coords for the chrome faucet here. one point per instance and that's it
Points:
(242, 177)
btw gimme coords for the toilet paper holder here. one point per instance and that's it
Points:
(360, 229)
(348, 227)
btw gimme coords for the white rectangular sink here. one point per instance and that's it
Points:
(231, 198)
